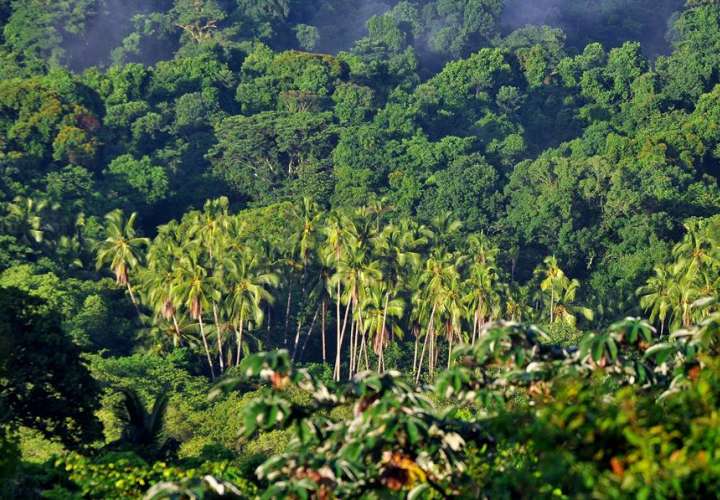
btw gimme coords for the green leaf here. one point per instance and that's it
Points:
(412, 431)
(418, 491)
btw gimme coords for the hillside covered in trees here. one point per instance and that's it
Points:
(359, 249)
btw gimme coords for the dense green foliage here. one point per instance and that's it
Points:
(381, 197)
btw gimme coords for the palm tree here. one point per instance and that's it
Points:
(554, 283)
(694, 254)
(454, 311)
(159, 277)
(355, 272)
(248, 289)
(142, 429)
(345, 250)
(481, 299)
(445, 229)
(308, 218)
(194, 289)
(380, 319)
(25, 218)
(121, 248)
(211, 227)
(566, 311)
(304, 244)
(440, 293)
(656, 296)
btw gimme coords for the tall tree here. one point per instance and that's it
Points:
(248, 284)
(121, 249)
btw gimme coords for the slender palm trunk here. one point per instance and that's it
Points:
(238, 339)
(425, 345)
(450, 347)
(415, 353)
(431, 355)
(178, 336)
(132, 294)
(309, 333)
(218, 331)
(363, 345)
(337, 335)
(298, 331)
(364, 349)
(422, 356)
(207, 348)
(341, 336)
(359, 354)
(322, 330)
(351, 355)
(382, 331)
(287, 317)
(475, 327)
(133, 299)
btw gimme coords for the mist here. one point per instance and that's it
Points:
(341, 27)
(605, 21)
(106, 27)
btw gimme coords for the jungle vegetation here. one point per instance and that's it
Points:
(376, 249)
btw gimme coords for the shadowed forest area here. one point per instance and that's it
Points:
(359, 249)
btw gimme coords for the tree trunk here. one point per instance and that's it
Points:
(238, 339)
(324, 316)
(431, 355)
(363, 346)
(341, 337)
(298, 331)
(287, 317)
(207, 349)
(337, 335)
(475, 327)
(422, 356)
(178, 336)
(218, 331)
(353, 334)
(132, 295)
(450, 347)
(364, 350)
(382, 331)
(133, 299)
(309, 332)
(425, 344)
(415, 353)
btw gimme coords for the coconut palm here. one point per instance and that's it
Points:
(303, 247)
(24, 218)
(308, 218)
(656, 296)
(566, 311)
(694, 254)
(381, 316)
(554, 283)
(481, 297)
(440, 291)
(248, 288)
(355, 273)
(195, 291)
(121, 249)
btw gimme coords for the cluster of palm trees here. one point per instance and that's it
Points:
(677, 295)
(375, 278)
